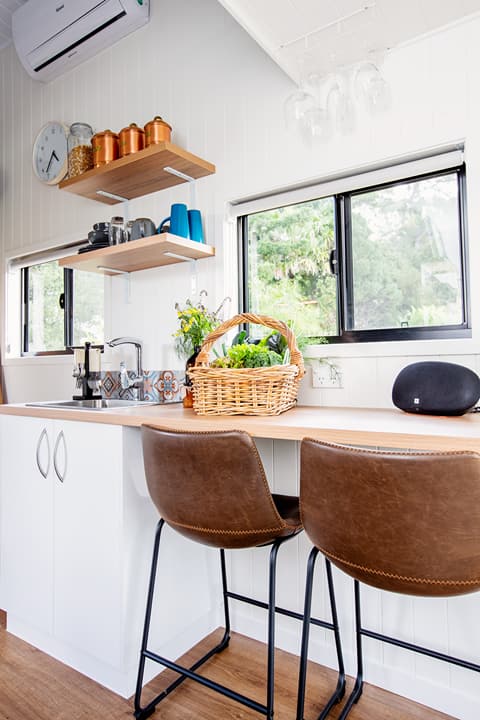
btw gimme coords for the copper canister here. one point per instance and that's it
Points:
(105, 148)
(157, 131)
(131, 139)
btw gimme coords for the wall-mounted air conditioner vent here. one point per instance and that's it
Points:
(53, 36)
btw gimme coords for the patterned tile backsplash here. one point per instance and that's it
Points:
(162, 386)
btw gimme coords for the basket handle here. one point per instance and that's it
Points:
(295, 354)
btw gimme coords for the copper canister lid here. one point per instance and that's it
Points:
(157, 131)
(132, 139)
(105, 148)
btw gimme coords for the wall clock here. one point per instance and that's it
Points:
(50, 153)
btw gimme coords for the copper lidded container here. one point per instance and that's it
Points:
(157, 131)
(105, 148)
(131, 139)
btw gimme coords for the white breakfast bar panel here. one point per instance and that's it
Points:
(190, 605)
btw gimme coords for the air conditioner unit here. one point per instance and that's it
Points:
(53, 36)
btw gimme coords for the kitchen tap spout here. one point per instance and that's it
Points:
(136, 382)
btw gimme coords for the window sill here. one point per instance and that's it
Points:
(410, 348)
(38, 360)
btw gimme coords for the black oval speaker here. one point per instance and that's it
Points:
(436, 388)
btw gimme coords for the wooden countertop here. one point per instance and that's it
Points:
(359, 426)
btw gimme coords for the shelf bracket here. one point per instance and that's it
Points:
(192, 181)
(178, 257)
(113, 270)
(112, 196)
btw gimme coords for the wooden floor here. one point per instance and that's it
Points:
(33, 686)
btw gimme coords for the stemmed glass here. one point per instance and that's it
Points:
(340, 106)
(371, 88)
(296, 106)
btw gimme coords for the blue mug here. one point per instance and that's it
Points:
(178, 219)
(195, 225)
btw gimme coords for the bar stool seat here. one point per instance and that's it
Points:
(407, 522)
(211, 488)
(288, 508)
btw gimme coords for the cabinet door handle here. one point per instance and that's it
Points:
(43, 435)
(60, 438)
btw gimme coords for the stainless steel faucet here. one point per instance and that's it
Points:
(125, 381)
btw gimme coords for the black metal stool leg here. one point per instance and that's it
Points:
(272, 582)
(148, 615)
(341, 682)
(143, 712)
(358, 687)
(307, 614)
(226, 637)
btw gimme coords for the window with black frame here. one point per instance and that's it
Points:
(61, 308)
(384, 262)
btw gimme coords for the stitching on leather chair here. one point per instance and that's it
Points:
(226, 532)
(371, 451)
(406, 578)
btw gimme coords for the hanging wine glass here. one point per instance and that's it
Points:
(371, 88)
(295, 107)
(340, 106)
(316, 125)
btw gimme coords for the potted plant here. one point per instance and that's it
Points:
(195, 322)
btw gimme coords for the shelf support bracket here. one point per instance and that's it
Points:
(112, 196)
(126, 276)
(188, 179)
(113, 270)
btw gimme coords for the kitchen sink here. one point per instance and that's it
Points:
(91, 404)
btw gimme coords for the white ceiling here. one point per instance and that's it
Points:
(315, 36)
(6, 9)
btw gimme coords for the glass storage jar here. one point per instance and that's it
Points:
(80, 153)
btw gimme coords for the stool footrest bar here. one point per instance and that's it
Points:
(279, 610)
(419, 649)
(243, 699)
(148, 709)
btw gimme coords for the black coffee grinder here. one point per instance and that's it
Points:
(87, 371)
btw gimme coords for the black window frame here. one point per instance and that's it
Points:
(65, 301)
(342, 266)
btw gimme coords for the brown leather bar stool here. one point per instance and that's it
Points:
(404, 522)
(211, 488)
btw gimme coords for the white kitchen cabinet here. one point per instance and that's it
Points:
(87, 513)
(77, 527)
(27, 520)
(61, 510)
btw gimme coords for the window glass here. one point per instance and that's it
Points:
(288, 268)
(88, 308)
(397, 270)
(52, 327)
(406, 258)
(45, 317)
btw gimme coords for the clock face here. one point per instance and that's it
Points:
(50, 153)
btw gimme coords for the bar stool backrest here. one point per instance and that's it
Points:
(405, 522)
(210, 486)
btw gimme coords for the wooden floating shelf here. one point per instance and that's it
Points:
(139, 174)
(149, 252)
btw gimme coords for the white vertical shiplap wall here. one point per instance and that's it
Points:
(224, 98)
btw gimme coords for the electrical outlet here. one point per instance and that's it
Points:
(326, 375)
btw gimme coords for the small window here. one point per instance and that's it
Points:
(61, 307)
(384, 262)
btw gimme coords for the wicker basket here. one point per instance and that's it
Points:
(246, 391)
